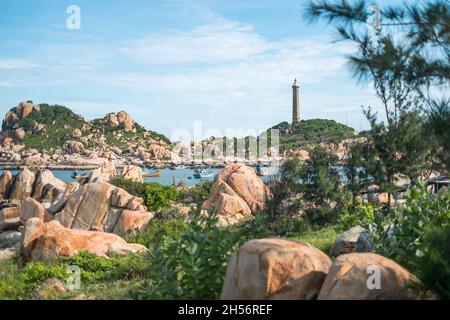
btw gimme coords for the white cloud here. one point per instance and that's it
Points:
(212, 43)
(10, 64)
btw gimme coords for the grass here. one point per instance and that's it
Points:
(120, 276)
(322, 239)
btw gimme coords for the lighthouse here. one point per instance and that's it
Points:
(295, 102)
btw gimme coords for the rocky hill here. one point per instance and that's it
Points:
(310, 132)
(294, 140)
(42, 134)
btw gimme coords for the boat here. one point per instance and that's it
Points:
(77, 175)
(156, 173)
(202, 173)
(261, 172)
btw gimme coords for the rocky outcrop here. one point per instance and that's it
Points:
(22, 186)
(30, 208)
(47, 241)
(9, 239)
(24, 109)
(105, 172)
(5, 183)
(133, 173)
(47, 186)
(354, 276)
(237, 192)
(275, 269)
(100, 206)
(76, 133)
(74, 147)
(9, 218)
(353, 240)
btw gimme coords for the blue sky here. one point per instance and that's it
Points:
(227, 63)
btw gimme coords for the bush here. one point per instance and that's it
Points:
(96, 269)
(360, 215)
(400, 235)
(160, 229)
(159, 196)
(433, 267)
(132, 187)
(192, 266)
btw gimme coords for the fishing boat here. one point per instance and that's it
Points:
(156, 173)
(202, 173)
(261, 172)
(77, 175)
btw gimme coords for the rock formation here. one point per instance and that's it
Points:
(46, 241)
(348, 279)
(275, 269)
(237, 192)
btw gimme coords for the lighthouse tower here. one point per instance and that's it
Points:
(295, 102)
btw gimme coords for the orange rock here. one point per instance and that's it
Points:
(348, 279)
(131, 221)
(31, 208)
(275, 269)
(45, 242)
(237, 191)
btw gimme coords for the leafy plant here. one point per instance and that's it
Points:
(160, 229)
(360, 215)
(130, 186)
(400, 235)
(433, 267)
(192, 266)
(159, 196)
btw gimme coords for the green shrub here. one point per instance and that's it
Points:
(95, 269)
(359, 215)
(158, 230)
(400, 235)
(433, 266)
(159, 196)
(200, 192)
(130, 186)
(322, 238)
(34, 273)
(191, 267)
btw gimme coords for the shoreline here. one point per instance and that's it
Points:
(62, 167)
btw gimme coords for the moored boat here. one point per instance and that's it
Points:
(202, 173)
(156, 173)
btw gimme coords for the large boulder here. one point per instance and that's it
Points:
(125, 120)
(24, 109)
(5, 184)
(100, 206)
(9, 239)
(133, 173)
(47, 241)
(32, 209)
(354, 276)
(74, 147)
(22, 186)
(76, 133)
(86, 208)
(105, 172)
(353, 240)
(9, 218)
(111, 119)
(43, 179)
(237, 192)
(20, 133)
(61, 199)
(275, 269)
